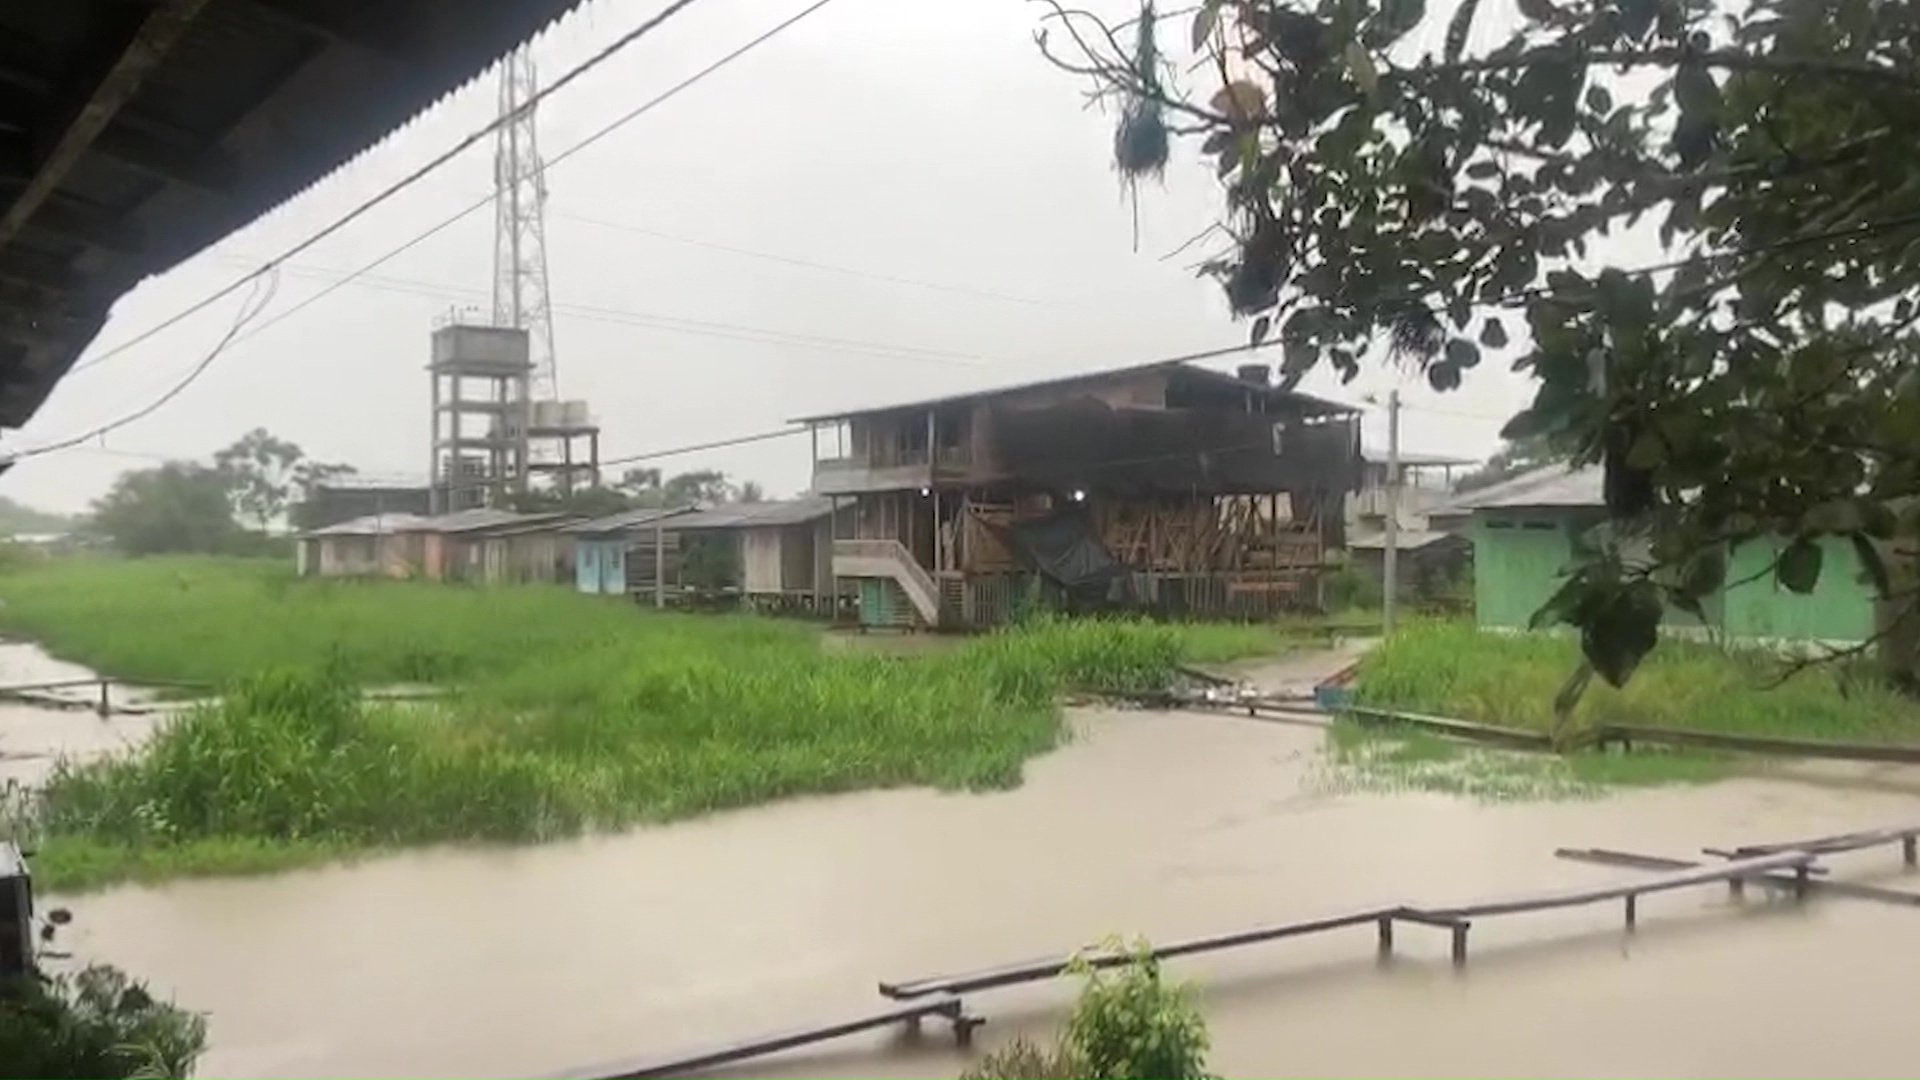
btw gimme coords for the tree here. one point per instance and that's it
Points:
(750, 491)
(701, 486)
(1761, 378)
(592, 502)
(178, 507)
(262, 471)
(1516, 456)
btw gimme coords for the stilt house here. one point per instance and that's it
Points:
(1166, 486)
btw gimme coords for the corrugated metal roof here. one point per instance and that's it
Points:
(476, 520)
(1548, 486)
(372, 525)
(161, 127)
(754, 515)
(1319, 404)
(627, 519)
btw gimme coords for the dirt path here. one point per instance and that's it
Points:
(1294, 674)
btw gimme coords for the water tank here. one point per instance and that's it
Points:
(547, 414)
(574, 414)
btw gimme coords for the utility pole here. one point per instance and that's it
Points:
(1390, 557)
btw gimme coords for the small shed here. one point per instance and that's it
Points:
(775, 554)
(1523, 530)
(535, 550)
(454, 547)
(378, 545)
(614, 555)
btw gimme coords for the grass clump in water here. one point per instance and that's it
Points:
(642, 718)
(1454, 669)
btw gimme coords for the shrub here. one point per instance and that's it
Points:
(1128, 1024)
(95, 1024)
(1023, 1059)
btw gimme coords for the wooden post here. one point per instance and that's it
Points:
(1800, 874)
(1908, 852)
(106, 704)
(660, 564)
(1460, 944)
(1632, 912)
(1386, 938)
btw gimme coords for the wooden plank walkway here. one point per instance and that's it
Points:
(1040, 970)
(1625, 736)
(1852, 890)
(1788, 867)
(1457, 920)
(910, 1015)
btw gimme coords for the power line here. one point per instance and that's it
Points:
(633, 114)
(648, 320)
(809, 264)
(247, 314)
(407, 181)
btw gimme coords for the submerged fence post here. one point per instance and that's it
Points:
(105, 708)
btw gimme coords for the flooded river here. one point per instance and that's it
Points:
(538, 960)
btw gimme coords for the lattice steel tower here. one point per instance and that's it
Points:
(520, 296)
(559, 439)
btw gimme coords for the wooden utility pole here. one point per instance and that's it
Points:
(1390, 556)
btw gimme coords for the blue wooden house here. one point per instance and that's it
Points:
(613, 555)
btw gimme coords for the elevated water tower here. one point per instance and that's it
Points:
(482, 377)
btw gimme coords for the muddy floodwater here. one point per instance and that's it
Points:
(531, 961)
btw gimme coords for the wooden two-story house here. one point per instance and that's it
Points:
(1166, 486)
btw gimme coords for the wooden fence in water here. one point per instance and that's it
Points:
(1792, 868)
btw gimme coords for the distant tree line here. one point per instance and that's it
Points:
(232, 504)
(642, 489)
(226, 507)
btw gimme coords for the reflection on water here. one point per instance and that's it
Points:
(530, 961)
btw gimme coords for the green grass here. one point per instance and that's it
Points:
(1392, 760)
(563, 713)
(1453, 669)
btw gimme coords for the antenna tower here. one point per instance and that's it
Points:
(520, 296)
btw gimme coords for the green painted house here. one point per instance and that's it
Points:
(1523, 530)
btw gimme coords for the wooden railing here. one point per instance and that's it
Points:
(890, 559)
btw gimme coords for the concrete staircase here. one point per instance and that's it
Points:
(890, 560)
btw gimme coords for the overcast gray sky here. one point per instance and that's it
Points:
(894, 141)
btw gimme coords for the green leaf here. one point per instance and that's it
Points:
(1298, 356)
(1636, 17)
(1799, 567)
(1705, 573)
(1621, 630)
(1360, 63)
(1204, 22)
(1493, 334)
(1599, 100)
(1462, 353)
(1261, 326)
(1482, 170)
(1458, 28)
(1872, 564)
(1443, 375)
(1403, 15)
(1648, 452)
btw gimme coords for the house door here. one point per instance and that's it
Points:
(613, 571)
